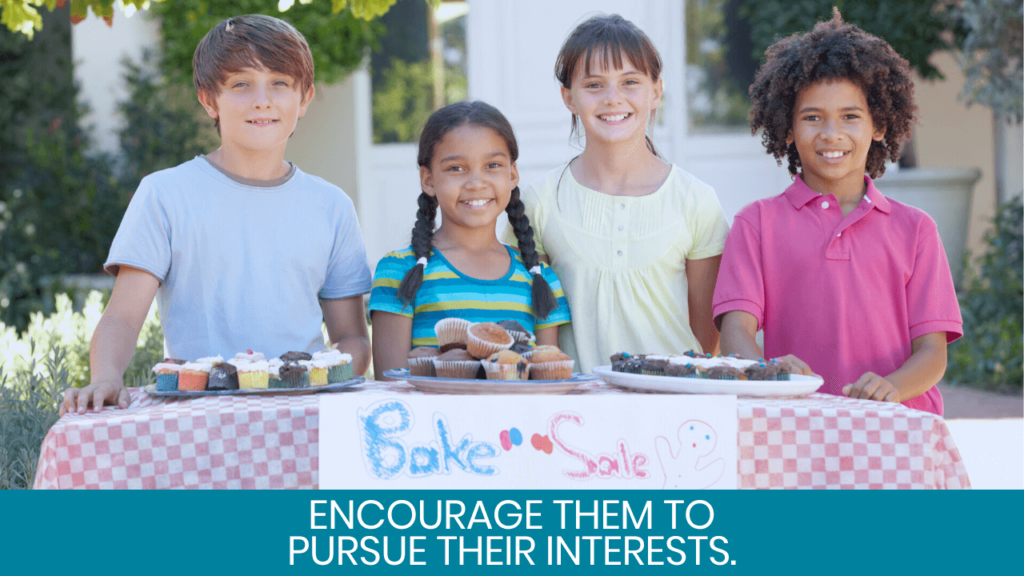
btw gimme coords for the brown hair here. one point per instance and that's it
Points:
(250, 41)
(611, 35)
(832, 51)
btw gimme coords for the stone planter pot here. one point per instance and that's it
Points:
(945, 194)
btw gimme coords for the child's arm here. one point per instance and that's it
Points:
(113, 342)
(547, 336)
(701, 276)
(924, 368)
(346, 328)
(739, 330)
(392, 341)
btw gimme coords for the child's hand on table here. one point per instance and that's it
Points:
(98, 393)
(871, 386)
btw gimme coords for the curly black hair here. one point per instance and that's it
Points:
(833, 50)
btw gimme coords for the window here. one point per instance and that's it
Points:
(421, 67)
(719, 66)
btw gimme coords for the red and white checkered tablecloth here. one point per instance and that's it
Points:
(220, 442)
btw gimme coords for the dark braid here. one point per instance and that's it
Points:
(543, 298)
(422, 235)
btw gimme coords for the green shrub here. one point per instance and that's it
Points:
(991, 351)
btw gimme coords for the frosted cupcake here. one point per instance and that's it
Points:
(317, 371)
(274, 373)
(250, 356)
(212, 360)
(486, 338)
(506, 365)
(683, 368)
(194, 376)
(451, 333)
(339, 365)
(167, 376)
(254, 375)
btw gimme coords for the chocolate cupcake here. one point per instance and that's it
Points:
(620, 357)
(783, 370)
(654, 365)
(515, 329)
(223, 377)
(296, 356)
(725, 373)
(294, 375)
(421, 361)
(632, 366)
(761, 371)
(683, 370)
(520, 348)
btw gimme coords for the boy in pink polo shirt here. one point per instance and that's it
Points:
(846, 283)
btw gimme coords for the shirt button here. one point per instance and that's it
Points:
(824, 205)
(620, 227)
(620, 252)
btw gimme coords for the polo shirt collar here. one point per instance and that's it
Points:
(799, 194)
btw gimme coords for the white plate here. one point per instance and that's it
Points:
(472, 386)
(152, 391)
(797, 385)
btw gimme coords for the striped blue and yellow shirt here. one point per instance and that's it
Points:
(447, 293)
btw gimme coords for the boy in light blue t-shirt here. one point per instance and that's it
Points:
(241, 249)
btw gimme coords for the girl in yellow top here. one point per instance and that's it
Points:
(636, 241)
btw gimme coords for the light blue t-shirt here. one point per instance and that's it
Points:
(241, 267)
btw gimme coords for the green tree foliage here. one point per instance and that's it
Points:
(990, 54)
(991, 351)
(913, 27)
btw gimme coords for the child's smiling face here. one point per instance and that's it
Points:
(257, 109)
(833, 131)
(471, 175)
(614, 104)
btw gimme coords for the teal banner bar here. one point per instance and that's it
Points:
(545, 532)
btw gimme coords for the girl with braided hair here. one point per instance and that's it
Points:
(467, 158)
(636, 240)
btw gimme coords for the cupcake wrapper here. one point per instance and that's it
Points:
(422, 366)
(497, 371)
(318, 376)
(277, 383)
(519, 337)
(782, 377)
(167, 382)
(650, 372)
(257, 380)
(481, 349)
(339, 373)
(456, 368)
(300, 381)
(559, 370)
(192, 381)
(451, 330)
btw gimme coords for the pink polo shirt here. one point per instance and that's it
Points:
(846, 295)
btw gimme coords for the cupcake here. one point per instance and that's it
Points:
(762, 371)
(456, 364)
(550, 365)
(194, 376)
(521, 349)
(632, 365)
(223, 377)
(274, 373)
(451, 333)
(254, 375)
(167, 376)
(486, 338)
(725, 372)
(317, 371)
(421, 361)
(654, 365)
(516, 331)
(783, 370)
(683, 368)
(536, 349)
(294, 375)
(296, 356)
(339, 365)
(506, 365)
(250, 356)
(211, 360)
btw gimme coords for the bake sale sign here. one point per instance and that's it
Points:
(527, 442)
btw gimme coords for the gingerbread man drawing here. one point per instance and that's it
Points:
(691, 467)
